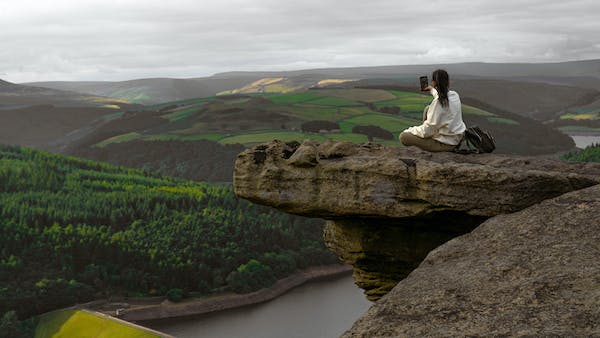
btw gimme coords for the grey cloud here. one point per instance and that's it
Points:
(109, 40)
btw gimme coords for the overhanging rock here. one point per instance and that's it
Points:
(388, 206)
(340, 179)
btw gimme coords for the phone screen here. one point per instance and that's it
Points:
(424, 82)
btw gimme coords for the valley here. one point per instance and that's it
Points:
(175, 141)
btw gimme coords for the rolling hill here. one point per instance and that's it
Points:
(544, 91)
(14, 95)
(152, 91)
(35, 116)
(568, 69)
(187, 131)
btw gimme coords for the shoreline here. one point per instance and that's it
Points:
(583, 136)
(202, 305)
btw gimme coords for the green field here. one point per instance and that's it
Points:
(350, 137)
(469, 110)
(237, 119)
(308, 113)
(387, 122)
(502, 120)
(118, 139)
(180, 114)
(333, 101)
(76, 323)
(296, 97)
(167, 137)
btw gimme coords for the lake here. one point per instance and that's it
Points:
(315, 309)
(582, 141)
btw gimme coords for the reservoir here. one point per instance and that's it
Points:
(582, 141)
(316, 309)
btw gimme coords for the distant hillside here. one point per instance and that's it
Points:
(583, 68)
(35, 116)
(39, 125)
(165, 135)
(15, 95)
(152, 91)
(580, 80)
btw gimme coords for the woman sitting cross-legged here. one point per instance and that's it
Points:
(443, 127)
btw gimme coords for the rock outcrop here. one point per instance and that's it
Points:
(339, 180)
(388, 207)
(533, 273)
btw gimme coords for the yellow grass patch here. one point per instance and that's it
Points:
(589, 116)
(257, 86)
(265, 81)
(112, 106)
(107, 100)
(76, 323)
(332, 81)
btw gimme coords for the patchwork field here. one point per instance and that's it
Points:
(200, 138)
(251, 119)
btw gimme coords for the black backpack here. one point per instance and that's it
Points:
(477, 140)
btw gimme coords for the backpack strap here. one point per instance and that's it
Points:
(470, 149)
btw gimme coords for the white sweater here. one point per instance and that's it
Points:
(443, 124)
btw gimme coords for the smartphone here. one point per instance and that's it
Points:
(424, 82)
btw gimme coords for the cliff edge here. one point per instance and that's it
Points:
(531, 273)
(388, 207)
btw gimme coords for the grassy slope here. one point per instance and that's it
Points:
(196, 138)
(76, 323)
(347, 107)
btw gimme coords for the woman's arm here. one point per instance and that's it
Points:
(431, 125)
(433, 92)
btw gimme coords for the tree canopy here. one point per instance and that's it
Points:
(72, 230)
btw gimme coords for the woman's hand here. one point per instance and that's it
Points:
(428, 88)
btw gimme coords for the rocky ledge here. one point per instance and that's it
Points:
(533, 273)
(388, 207)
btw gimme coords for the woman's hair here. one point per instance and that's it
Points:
(440, 77)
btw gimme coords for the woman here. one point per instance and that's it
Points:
(443, 127)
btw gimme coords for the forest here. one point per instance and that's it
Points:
(75, 230)
(589, 154)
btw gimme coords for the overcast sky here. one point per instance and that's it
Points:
(119, 40)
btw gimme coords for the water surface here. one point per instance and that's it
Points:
(582, 141)
(316, 309)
